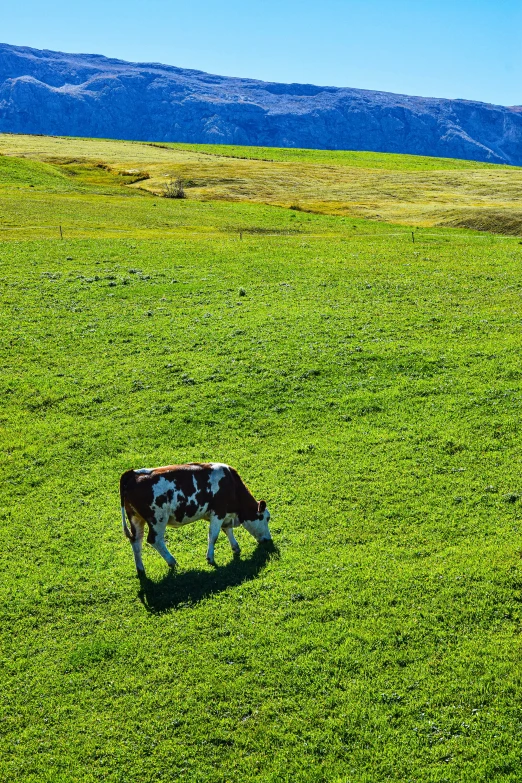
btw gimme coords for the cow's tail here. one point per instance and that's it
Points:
(124, 480)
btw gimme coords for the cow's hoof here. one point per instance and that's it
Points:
(140, 573)
(172, 565)
(211, 561)
(236, 550)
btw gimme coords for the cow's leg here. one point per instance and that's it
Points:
(233, 543)
(156, 538)
(213, 533)
(137, 528)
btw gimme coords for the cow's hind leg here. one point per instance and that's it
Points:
(213, 533)
(156, 538)
(137, 528)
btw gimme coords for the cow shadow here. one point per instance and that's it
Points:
(179, 590)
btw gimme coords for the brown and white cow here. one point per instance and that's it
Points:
(178, 494)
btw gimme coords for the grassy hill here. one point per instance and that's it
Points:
(351, 158)
(366, 385)
(403, 189)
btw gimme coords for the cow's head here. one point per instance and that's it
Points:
(258, 525)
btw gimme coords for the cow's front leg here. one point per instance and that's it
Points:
(156, 538)
(213, 533)
(233, 543)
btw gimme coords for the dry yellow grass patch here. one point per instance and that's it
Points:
(487, 198)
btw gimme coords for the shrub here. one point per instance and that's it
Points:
(174, 189)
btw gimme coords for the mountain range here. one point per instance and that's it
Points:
(52, 93)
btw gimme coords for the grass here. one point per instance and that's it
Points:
(20, 173)
(408, 190)
(368, 387)
(369, 160)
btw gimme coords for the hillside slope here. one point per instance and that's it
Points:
(411, 190)
(90, 95)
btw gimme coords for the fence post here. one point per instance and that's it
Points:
(61, 235)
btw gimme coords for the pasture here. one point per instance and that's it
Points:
(367, 386)
(403, 189)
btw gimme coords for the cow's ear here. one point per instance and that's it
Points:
(261, 506)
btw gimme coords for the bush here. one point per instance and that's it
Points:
(174, 189)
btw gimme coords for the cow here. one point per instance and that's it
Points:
(178, 494)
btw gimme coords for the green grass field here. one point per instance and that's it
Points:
(366, 385)
(351, 159)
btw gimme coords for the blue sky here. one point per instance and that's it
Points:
(459, 49)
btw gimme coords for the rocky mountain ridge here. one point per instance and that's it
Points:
(44, 92)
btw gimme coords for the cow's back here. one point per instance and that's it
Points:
(181, 493)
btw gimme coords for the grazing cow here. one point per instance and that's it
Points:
(178, 494)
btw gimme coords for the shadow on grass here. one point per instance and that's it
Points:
(175, 590)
